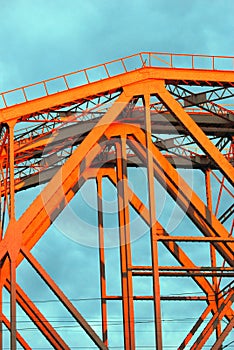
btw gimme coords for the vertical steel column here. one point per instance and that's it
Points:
(13, 250)
(102, 261)
(37, 318)
(153, 226)
(1, 287)
(2, 210)
(62, 297)
(212, 248)
(209, 206)
(20, 339)
(125, 249)
(1, 313)
(13, 304)
(12, 180)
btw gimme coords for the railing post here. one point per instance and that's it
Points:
(107, 72)
(66, 82)
(86, 75)
(44, 83)
(4, 100)
(142, 61)
(25, 96)
(213, 63)
(122, 61)
(192, 61)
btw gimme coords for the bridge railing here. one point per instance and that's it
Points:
(110, 69)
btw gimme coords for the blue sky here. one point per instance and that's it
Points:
(45, 38)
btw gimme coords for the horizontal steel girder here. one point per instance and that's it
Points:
(116, 83)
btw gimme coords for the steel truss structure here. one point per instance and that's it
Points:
(166, 114)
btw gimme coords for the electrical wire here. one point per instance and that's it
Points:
(42, 301)
(97, 323)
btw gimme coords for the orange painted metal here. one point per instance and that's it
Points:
(124, 241)
(153, 225)
(64, 300)
(223, 335)
(201, 139)
(173, 247)
(212, 249)
(207, 331)
(126, 131)
(29, 307)
(19, 338)
(195, 327)
(102, 262)
(194, 207)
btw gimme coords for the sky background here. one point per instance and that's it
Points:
(45, 38)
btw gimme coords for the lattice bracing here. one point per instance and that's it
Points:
(155, 134)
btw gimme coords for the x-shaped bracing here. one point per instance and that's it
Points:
(61, 189)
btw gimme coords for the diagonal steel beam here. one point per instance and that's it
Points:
(19, 337)
(173, 247)
(223, 335)
(181, 257)
(178, 188)
(205, 100)
(185, 196)
(195, 131)
(211, 325)
(61, 296)
(195, 327)
(38, 318)
(60, 190)
(54, 197)
(70, 193)
(194, 99)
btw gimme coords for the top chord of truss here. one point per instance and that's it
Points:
(113, 68)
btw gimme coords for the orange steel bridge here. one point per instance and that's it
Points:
(166, 115)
